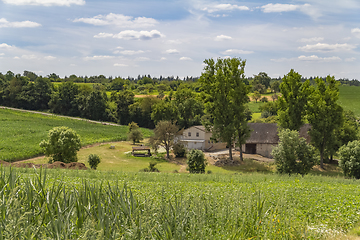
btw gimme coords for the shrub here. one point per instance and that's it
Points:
(196, 161)
(151, 167)
(264, 99)
(179, 149)
(93, 161)
(293, 154)
(62, 145)
(350, 159)
(135, 135)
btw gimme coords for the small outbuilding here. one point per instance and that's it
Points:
(141, 151)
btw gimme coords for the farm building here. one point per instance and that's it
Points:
(264, 136)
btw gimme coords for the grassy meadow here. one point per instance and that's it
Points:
(350, 99)
(72, 204)
(22, 132)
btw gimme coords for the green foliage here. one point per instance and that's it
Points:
(21, 133)
(324, 115)
(275, 86)
(78, 205)
(350, 159)
(262, 78)
(164, 134)
(93, 161)
(264, 99)
(151, 168)
(62, 145)
(293, 155)
(179, 150)
(225, 97)
(196, 161)
(293, 102)
(135, 135)
(256, 96)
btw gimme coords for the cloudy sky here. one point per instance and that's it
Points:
(165, 37)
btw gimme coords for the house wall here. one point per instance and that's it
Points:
(262, 149)
(193, 131)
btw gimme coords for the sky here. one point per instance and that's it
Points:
(173, 38)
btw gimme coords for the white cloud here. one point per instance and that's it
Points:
(324, 47)
(24, 24)
(49, 58)
(163, 59)
(142, 59)
(130, 52)
(138, 35)
(120, 65)
(350, 59)
(118, 20)
(236, 51)
(2, 54)
(278, 7)
(355, 30)
(6, 46)
(28, 57)
(222, 37)
(45, 2)
(319, 59)
(281, 59)
(224, 7)
(172, 51)
(185, 59)
(313, 39)
(103, 35)
(98, 57)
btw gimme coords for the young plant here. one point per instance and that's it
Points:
(196, 161)
(93, 161)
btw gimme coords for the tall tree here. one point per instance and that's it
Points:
(324, 115)
(164, 134)
(292, 103)
(123, 100)
(262, 78)
(225, 96)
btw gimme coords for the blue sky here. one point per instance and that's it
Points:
(127, 38)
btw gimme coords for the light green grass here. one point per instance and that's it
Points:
(120, 205)
(22, 132)
(350, 99)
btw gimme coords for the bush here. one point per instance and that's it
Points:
(62, 145)
(196, 161)
(93, 161)
(151, 167)
(293, 154)
(264, 99)
(179, 150)
(135, 135)
(350, 159)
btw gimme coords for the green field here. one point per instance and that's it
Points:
(350, 99)
(22, 132)
(71, 204)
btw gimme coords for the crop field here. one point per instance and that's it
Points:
(350, 99)
(71, 204)
(22, 132)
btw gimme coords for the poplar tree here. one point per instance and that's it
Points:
(225, 95)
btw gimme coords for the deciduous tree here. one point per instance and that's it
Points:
(292, 103)
(324, 115)
(62, 145)
(164, 135)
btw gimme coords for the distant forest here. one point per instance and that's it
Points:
(118, 99)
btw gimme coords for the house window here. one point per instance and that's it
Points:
(208, 141)
(197, 134)
(189, 134)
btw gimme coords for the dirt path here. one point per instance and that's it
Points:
(211, 156)
(56, 115)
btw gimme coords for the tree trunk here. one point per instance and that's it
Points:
(322, 159)
(230, 153)
(241, 154)
(167, 152)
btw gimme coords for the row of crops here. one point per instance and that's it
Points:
(58, 204)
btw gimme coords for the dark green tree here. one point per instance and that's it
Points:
(123, 100)
(292, 103)
(262, 78)
(196, 161)
(324, 115)
(225, 96)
